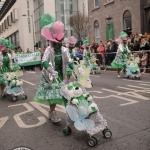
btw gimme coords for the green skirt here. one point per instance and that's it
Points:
(49, 94)
(2, 80)
(68, 71)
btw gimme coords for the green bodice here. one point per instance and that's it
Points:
(58, 63)
(71, 53)
(5, 66)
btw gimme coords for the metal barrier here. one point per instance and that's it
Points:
(104, 59)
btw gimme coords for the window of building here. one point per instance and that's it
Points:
(127, 19)
(96, 3)
(96, 31)
(38, 12)
(14, 39)
(108, 1)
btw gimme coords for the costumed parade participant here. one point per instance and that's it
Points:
(122, 54)
(90, 59)
(5, 62)
(55, 61)
(15, 66)
(70, 43)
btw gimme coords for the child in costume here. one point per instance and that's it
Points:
(70, 43)
(15, 66)
(132, 69)
(5, 62)
(144, 62)
(123, 52)
(55, 61)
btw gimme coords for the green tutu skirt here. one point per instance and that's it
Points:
(119, 62)
(68, 71)
(15, 67)
(49, 94)
(2, 80)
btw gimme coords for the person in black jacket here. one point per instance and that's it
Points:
(113, 48)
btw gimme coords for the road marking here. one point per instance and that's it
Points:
(3, 121)
(95, 76)
(138, 87)
(126, 99)
(135, 81)
(20, 122)
(145, 84)
(132, 94)
(121, 87)
(31, 71)
(113, 91)
(45, 112)
(28, 82)
(95, 92)
(120, 97)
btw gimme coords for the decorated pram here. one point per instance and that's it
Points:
(81, 108)
(91, 62)
(13, 86)
(132, 70)
(94, 67)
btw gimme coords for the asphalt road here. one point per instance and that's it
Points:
(125, 104)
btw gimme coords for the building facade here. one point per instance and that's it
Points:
(108, 17)
(20, 19)
(16, 23)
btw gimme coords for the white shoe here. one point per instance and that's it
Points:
(119, 76)
(54, 117)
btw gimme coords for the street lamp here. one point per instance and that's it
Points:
(108, 22)
(24, 15)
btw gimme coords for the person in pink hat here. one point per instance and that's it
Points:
(70, 43)
(5, 62)
(123, 52)
(55, 61)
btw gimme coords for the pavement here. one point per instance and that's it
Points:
(124, 103)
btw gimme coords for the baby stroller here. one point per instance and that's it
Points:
(13, 87)
(132, 70)
(95, 69)
(84, 113)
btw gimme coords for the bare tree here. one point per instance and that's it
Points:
(80, 25)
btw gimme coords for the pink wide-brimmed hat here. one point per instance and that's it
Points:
(3, 44)
(121, 39)
(53, 32)
(2, 48)
(72, 40)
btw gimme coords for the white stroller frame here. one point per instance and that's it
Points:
(131, 75)
(100, 124)
(14, 95)
(95, 70)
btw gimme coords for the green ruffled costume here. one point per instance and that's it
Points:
(69, 70)
(50, 94)
(5, 67)
(120, 61)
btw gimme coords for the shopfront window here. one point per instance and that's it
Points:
(127, 20)
(96, 31)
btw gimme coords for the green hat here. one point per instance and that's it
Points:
(46, 19)
(4, 42)
(11, 46)
(123, 33)
(86, 42)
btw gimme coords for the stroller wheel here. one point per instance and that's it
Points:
(107, 133)
(3, 95)
(67, 131)
(24, 97)
(92, 142)
(14, 99)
